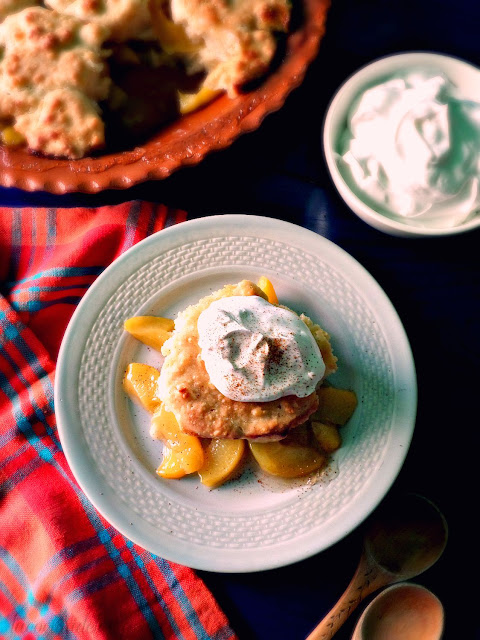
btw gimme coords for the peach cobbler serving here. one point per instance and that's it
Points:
(242, 373)
(79, 75)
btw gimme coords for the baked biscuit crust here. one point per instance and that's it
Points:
(52, 74)
(7, 7)
(64, 123)
(236, 38)
(124, 19)
(201, 409)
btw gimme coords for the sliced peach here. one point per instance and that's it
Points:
(151, 330)
(183, 454)
(171, 36)
(327, 436)
(222, 458)
(172, 467)
(140, 382)
(11, 137)
(192, 101)
(267, 287)
(336, 405)
(293, 457)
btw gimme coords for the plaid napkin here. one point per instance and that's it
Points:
(65, 573)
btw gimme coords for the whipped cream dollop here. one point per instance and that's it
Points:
(256, 352)
(412, 146)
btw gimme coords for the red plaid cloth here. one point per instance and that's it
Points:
(65, 573)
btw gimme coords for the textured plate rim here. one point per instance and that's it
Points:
(237, 560)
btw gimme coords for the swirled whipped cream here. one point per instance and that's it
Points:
(412, 146)
(257, 352)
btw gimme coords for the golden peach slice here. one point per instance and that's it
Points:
(192, 101)
(140, 382)
(267, 287)
(151, 330)
(327, 436)
(171, 36)
(293, 457)
(11, 137)
(183, 454)
(222, 458)
(336, 405)
(172, 466)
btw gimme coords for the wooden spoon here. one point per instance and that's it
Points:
(406, 610)
(406, 537)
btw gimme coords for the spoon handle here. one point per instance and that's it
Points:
(367, 579)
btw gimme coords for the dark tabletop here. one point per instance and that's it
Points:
(279, 171)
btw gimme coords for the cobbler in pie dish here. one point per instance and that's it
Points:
(79, 76)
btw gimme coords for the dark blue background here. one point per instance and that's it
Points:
(279, 171)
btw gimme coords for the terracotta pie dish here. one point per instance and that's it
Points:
(184, 142)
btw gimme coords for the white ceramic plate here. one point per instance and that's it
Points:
(252, 523)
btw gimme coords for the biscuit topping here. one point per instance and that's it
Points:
(257, 352)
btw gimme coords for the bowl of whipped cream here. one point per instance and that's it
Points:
(402, 143)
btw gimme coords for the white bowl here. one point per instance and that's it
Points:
(463, 75)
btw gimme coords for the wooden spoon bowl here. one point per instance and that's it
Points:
(405, 610)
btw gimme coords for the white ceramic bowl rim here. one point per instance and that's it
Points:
(362, 76)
